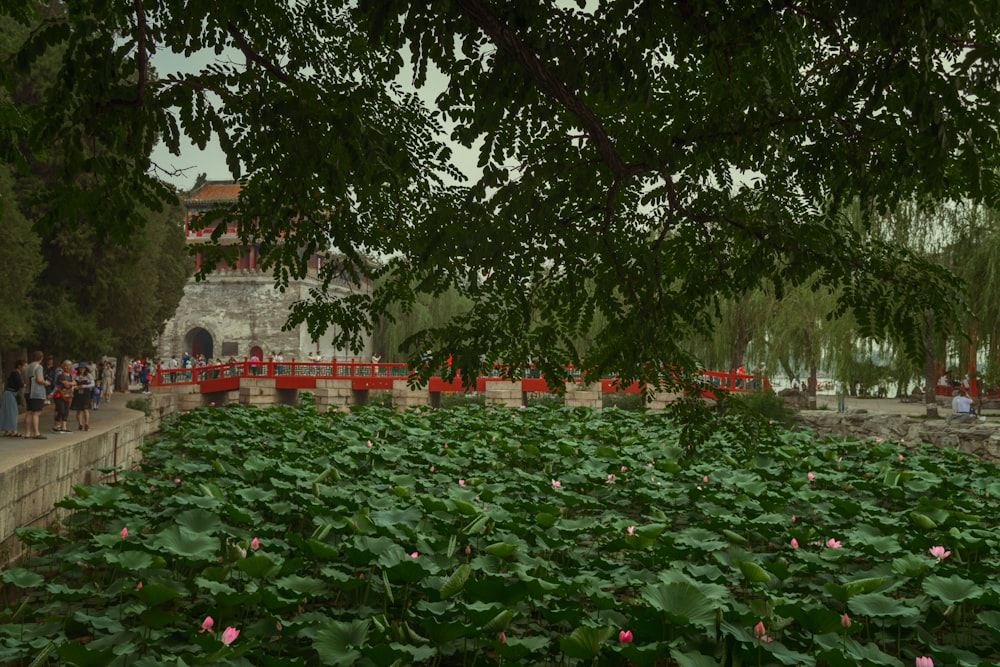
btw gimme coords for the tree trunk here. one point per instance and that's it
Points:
(742, 338)
(811, 388)
(930, 382)
(121, 375)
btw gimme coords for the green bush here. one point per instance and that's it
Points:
(454, 399)
(623, 400)
(764, 404)
(143, 405)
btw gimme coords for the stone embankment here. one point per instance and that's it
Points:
(967, 434)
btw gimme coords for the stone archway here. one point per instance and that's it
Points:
(199, 341)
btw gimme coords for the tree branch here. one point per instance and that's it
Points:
(505, 39)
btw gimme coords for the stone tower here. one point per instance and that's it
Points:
(237, 312)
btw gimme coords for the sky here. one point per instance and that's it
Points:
(182, 171)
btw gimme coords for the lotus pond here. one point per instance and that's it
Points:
(535, 536)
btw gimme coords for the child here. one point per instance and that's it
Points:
(95, 396)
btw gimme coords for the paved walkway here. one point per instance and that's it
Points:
(15, 451)
(888, 406)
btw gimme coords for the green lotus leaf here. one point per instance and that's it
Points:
(306, 586)
(585, 643)
(130, 560)
(882, 606)
(185, 544)
(22, 578)
(338, 643)
(456, 581)
(154, 594)
(684, 603)
(257, 566)
(952, 590)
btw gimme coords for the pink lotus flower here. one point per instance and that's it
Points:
(370, 443)
(255, 544)
(414, 554)
(432, 468)
(229, 635)
(446, 445)
(468, 550)
(625, 636)
(759, 630)
(206, 625)
(611, 478)
(939, 553)
(924, 661)
(631, 530)
(811, 476)
(793, 518)
(461, 482)
(124, 533)
(138, 586)
(833, 544)
(845, 620)
(794, 543)
(177, 480)
(624, 468)
(556, 484)
(900, 457)
(878, 439)
(705, 479)
(503, 638)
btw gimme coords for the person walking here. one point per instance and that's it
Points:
(838, 389)
(37, 391)
(8, 407)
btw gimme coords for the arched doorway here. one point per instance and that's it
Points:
(199, 341)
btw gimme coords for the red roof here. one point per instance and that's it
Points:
(215, 191)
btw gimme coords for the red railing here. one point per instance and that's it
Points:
(363, 375)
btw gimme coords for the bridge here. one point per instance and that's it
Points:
(345, 383)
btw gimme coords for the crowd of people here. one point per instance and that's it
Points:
(78, 387)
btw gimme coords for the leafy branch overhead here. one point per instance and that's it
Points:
(636, 162)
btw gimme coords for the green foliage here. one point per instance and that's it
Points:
(143, 405)
(455, 399)
(377, 536)
(625, 176)
(101, 260)
(23, 263)
(765, 405)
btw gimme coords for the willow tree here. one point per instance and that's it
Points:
(667, 154)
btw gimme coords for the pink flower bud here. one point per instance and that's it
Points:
(229, 635)
(124, 533)
(625, 636)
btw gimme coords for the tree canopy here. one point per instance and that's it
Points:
(637, 161)
(89, 273)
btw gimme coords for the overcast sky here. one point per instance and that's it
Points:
(182, 171)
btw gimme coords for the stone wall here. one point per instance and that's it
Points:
(30, 489)
(242, 306)
(962, 433)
